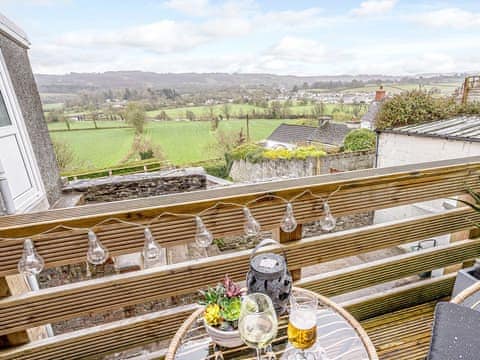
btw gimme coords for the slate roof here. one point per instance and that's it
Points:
(329, 133)
(371, 114)
(466, 128)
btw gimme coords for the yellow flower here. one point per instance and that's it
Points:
(212, 315)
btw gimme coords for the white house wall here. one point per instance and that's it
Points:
(398, 149)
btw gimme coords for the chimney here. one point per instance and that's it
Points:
(323, 120)
(380, 94)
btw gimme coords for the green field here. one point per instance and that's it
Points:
(181, 141)
(238, 109)
(85, 125)
(445, 88)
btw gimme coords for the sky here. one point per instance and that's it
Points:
(301, 37)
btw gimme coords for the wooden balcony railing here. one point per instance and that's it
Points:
(360, 191)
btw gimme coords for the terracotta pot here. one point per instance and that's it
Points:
(228, 339)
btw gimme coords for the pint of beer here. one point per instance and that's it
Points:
(302, 324)
(302, 329)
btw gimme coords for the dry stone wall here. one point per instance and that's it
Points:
(244, 171)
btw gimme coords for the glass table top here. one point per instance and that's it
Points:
(336, 337)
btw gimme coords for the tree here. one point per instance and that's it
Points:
(359, 139)
(226, 111)
(318, 110)
(135, 116)
(63, 153)
(190, 115)
(163, 116)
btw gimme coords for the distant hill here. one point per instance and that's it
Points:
(186, 82)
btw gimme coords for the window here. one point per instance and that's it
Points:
(4, 118)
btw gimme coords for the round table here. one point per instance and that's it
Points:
(338, 334)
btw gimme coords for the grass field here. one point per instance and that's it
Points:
(181, 141)
(445, 88)
(236, 109)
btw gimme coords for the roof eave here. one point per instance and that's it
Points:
(13, 31)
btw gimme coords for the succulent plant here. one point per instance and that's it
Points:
(231, 289)
(223, 304)
(212, 315)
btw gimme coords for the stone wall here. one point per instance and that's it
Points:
(124, 187)
(269, 169)
(20, 71)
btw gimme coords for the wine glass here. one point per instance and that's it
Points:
(302, 325)
(257, 322)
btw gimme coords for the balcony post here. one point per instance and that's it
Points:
(284, 237)
(6, 290)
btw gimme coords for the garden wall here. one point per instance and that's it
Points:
(243, 170)
(124, 187)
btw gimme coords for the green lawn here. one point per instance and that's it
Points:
(181, 141)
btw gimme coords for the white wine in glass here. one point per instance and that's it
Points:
(258, 322)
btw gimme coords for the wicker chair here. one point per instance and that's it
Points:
(456, 329)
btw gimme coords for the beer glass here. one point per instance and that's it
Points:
(257, 322)
(302, 325)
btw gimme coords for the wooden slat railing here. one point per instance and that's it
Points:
(360, 191)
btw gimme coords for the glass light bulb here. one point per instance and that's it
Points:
(251, 226)
(327, 222)
(203, 237)
(30, 263)
(289, 223)
(97, 254)
(151, 249)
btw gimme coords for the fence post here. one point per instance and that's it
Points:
(284, 237)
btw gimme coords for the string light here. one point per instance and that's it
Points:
(97, 254)
(203, 237)
(251, 227)
(289, 223)
(327, 222)
(31, 262)
(152, 251)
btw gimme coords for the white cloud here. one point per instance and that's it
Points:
(190, 7)
(374, 7)
(450, 18)
(166, 36)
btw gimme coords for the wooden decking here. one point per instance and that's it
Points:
(403, 334)
(398, 320)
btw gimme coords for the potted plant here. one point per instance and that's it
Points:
(469, 276)
(222, 309)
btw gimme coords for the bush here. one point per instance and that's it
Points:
(63, 153)
(414, 107)
(255, 153)
(359, 139)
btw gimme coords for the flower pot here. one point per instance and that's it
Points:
(228, 339)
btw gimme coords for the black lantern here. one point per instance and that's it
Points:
(269, 275)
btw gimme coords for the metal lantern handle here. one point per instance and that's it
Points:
(266, 242)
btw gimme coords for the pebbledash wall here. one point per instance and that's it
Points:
(135, 186)
(14, 48)
(269, 169)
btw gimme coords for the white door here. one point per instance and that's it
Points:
(16, 153)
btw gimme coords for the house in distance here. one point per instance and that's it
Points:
(328, 134)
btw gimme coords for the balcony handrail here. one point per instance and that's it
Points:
(360, 191)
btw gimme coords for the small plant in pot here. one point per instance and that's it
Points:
(222, 310)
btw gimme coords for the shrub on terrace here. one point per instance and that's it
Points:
(359, 139)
